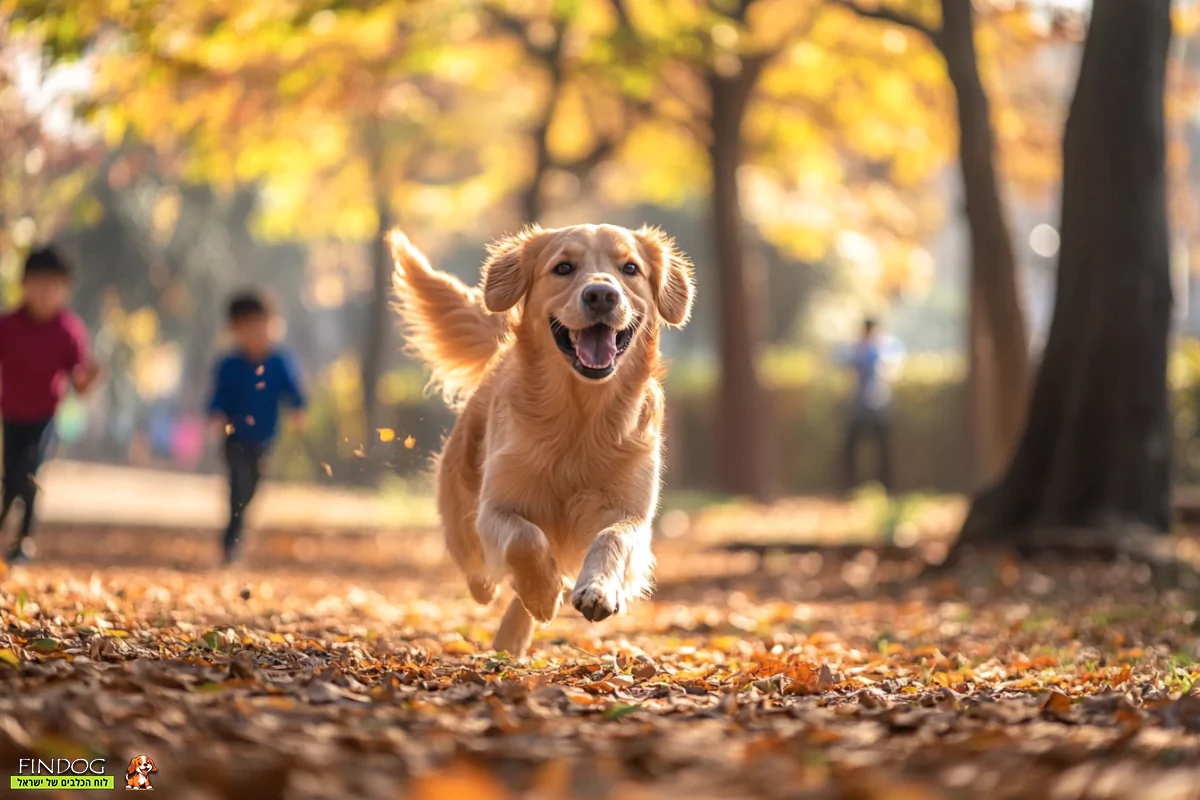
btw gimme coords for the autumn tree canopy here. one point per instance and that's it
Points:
(824, 132)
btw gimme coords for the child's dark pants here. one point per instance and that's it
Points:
(876, 424)
(25, 447)
(245, 467)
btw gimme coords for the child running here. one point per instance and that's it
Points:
(249, 386)
(43, 346)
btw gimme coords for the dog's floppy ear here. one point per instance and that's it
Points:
(672, 276)
(508, 271)
(132, 768)
(150, 761)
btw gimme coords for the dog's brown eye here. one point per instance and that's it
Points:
(630, 268)
(565, 268)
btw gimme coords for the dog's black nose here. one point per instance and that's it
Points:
(600, 298)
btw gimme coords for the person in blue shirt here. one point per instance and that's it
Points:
(874, 358)
(250, 385)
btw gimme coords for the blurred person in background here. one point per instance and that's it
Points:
(250, 384)
(875, 359)
(43, 347)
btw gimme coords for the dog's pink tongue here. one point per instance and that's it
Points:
(596, 347)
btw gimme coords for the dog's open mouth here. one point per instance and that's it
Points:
(593, 350)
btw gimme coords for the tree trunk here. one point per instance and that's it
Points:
(740, 434)
(980, 433)
(379, 310)
(999, 342)
(377, 326)
(531, 200)
(1096, 449)
(531, 196)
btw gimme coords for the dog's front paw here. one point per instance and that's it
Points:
(535, 577)
(483, 590)
(596, 601)
(540, 598)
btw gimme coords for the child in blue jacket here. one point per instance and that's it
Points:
(250, 385)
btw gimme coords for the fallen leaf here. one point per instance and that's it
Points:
(503, 719)
(644, 671)
(1057, 705)
(583, 698)
(599, 687)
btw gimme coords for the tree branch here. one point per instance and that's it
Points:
(885, 14)
(585, 164)
(520, 28)
(622, 12)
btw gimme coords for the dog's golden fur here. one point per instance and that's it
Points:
(551, 470)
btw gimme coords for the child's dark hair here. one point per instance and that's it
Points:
(48, 261)
(248, 304)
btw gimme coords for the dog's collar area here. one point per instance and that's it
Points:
(565, 343)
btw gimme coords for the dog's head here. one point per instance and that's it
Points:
(592, 292)
(140, 765)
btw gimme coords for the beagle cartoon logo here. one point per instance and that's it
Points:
(137, 774)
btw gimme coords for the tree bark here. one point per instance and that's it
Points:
(741, 426)
(379, 310)
(531, 196)
(979, 419)
(999, 342)
(1095, 453)
(531, 202)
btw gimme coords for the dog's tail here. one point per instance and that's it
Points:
(445, 322)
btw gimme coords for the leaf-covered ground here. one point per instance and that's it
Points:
(812, 678)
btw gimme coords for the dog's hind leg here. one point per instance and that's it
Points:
(458, 499)
(463, 543)
(516, 630)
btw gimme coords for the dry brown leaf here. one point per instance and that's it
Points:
(599, 687)
(502, 718)
(644, 671)
(1057, 705)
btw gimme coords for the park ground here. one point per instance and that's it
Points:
(346, 662)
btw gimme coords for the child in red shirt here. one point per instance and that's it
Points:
(43, 345)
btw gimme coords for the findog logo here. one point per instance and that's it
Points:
(137, 774)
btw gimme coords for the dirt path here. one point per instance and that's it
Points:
(76, 493)
(817, 679)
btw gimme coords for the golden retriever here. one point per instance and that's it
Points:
(552, 468)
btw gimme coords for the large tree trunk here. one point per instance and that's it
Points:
(1096, 448)
(742, 466)
(998, 340)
